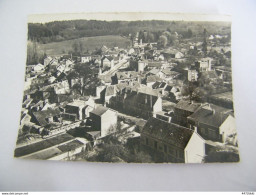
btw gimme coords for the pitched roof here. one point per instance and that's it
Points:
(110, 58)
(153, 78)
(100, 110)
(155, 64)
(42, 115)
(209, 117)
(154, 71)
(110, 90)
(188, 106)
(169, 133)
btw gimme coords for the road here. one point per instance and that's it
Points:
(116, 67)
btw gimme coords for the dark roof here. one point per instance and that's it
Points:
(208, 117)
(186, 105)
(169, 133)
(100, 110)
(110, 58)
(168, 88)
(42, 115)
(158, 85)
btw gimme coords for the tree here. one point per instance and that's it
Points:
(190, 33)
(194, 92)
(163, 41)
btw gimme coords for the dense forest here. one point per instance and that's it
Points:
(65, 30)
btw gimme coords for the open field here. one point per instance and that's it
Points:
(89, 43)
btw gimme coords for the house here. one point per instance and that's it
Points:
(182, 110)
(107, 61)
(213, 122)
(138, 65)
(38, 68)
(165, 142)
(47, 60)
(198, 148)
(62, 87)
(150, 80)
(86, 58)
(168, 74)
(205, 64)
(124, 77)
(103, 119)
(192, 75)
(154, 64)
(78, 109)
(143, 101)
(45, 117)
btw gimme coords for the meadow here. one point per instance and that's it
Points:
(89, 43)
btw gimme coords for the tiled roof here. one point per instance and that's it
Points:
(186, 105)
(169, 133)
(208, 117)
(42, 115)
(153, 78)
(100, 110)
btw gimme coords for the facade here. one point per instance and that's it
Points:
(195, 150)
(205, 64)
(107, 61)
(143, 103)
(208, 122)
(182, 110)
(165, 141)
(192, 75)
(103, 119)
(86, 58)
(78, 109)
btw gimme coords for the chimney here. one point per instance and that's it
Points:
(195, 129)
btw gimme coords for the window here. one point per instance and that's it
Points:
(155, 144)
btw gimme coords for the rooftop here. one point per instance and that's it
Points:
(167, 132)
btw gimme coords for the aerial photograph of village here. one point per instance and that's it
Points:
(142, 91)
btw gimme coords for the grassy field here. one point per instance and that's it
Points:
(89, 43)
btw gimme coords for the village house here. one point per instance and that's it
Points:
(192, 75)
(138, 65)
(86, 58)
(46, 117)
(205, 64)
(198, 148)
(143, 102)
(103, 119)
(124, 77)
(38, 68)
(213, 123)
(182, 110)
(164, 141)
(78, 109)
(47, 60)
(107, 61)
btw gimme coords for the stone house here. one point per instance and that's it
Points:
(212, 123)
(164, 141)
(143, 102)
(103, 119)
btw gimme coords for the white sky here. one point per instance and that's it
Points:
(126, 16)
